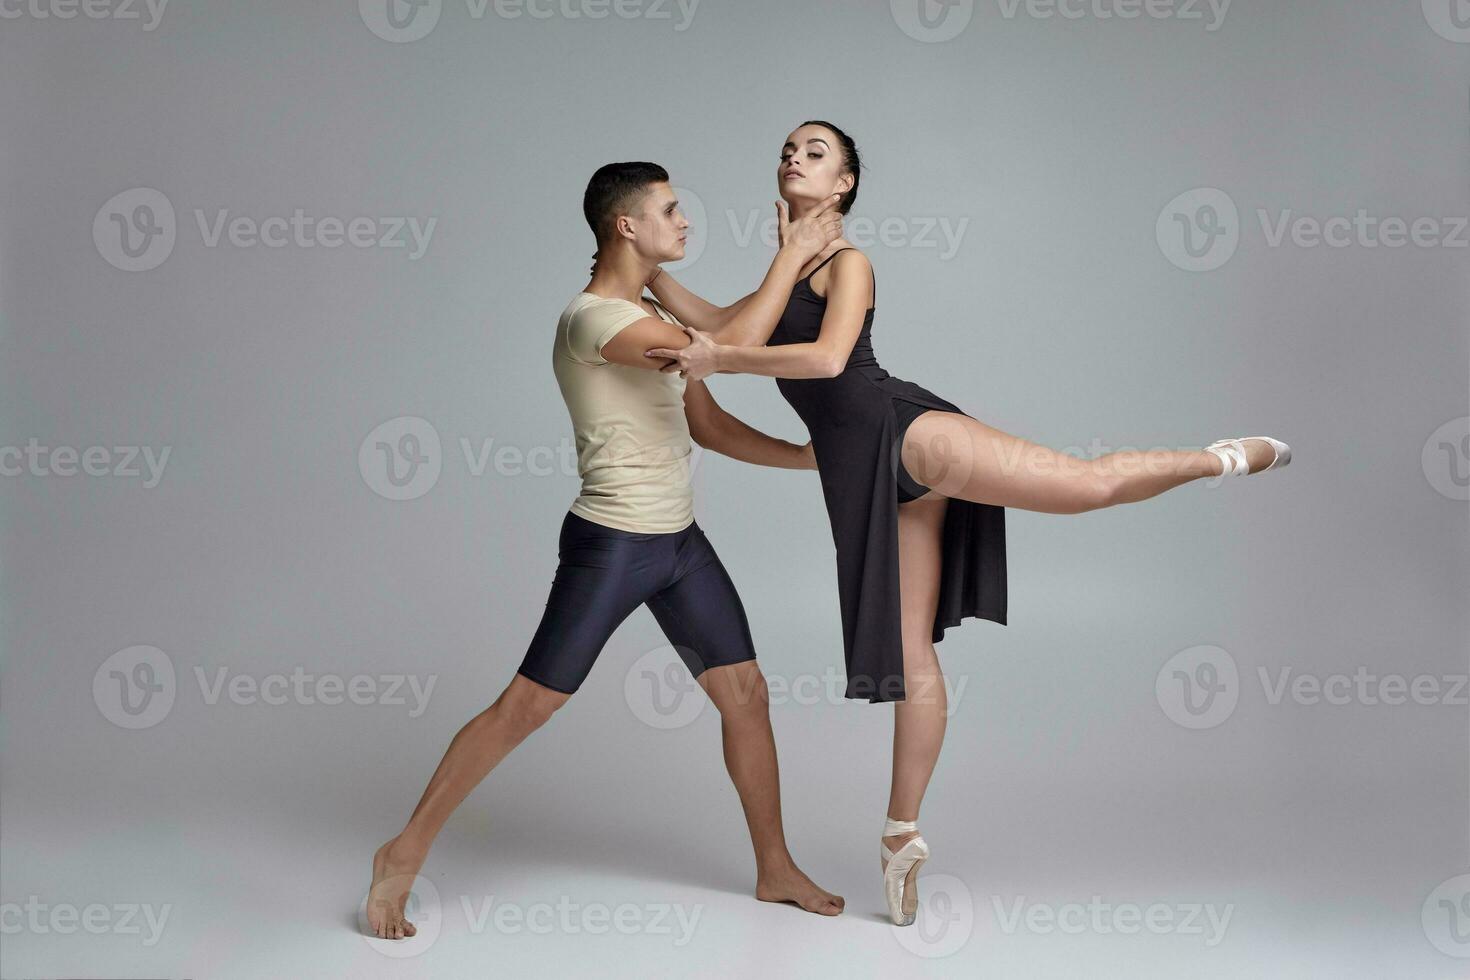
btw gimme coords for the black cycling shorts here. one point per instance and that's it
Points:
(605, 573)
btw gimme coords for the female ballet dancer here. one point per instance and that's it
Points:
(916, 490)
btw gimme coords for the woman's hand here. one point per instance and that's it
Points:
(694, 363)
(809, 456)
(812, 233)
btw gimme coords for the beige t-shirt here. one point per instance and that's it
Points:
(633, 449)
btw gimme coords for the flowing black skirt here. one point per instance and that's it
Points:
(856, 439)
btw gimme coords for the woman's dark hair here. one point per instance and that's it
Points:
(850, 162)
(613, 190)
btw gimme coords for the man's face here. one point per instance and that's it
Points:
(660, 228)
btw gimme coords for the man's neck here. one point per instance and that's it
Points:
(620, 276)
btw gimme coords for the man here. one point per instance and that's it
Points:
(630, 538)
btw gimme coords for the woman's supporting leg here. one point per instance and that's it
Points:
(918, 720)
(522, 707)
(958, 456)
(739, 692)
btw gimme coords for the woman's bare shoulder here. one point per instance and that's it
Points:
(849, 266)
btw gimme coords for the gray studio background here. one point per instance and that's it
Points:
(1053, 149)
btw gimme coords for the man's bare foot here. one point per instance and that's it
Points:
(789, 884)
(394, 868)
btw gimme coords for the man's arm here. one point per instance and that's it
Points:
(627, 345)
(717, 430)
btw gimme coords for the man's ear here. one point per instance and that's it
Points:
(623, 226)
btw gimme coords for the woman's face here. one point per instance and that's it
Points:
(811, 166)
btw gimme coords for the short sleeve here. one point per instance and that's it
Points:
(597, 323)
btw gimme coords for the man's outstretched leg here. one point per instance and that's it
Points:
(522, 707)
(739, 691)
(597, 584)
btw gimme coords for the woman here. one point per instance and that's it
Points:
(914, 487)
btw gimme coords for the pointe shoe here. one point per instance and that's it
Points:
(1231, 453)
(901, 872)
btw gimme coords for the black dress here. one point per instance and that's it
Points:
(856, 421)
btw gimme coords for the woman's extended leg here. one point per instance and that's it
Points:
(958, 456)
(918, 720)
(522, 707)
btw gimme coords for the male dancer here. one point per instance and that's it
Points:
(630, 537)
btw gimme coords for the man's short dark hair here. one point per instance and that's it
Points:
(613, 191)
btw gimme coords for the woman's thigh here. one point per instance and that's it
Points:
(957, 456)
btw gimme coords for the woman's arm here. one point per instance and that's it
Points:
(716, 429)
(691, 308)
(848, 297)
(759, 311)
(752, 319)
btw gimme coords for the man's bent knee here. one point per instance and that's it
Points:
(527, 705)
(738, 690)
